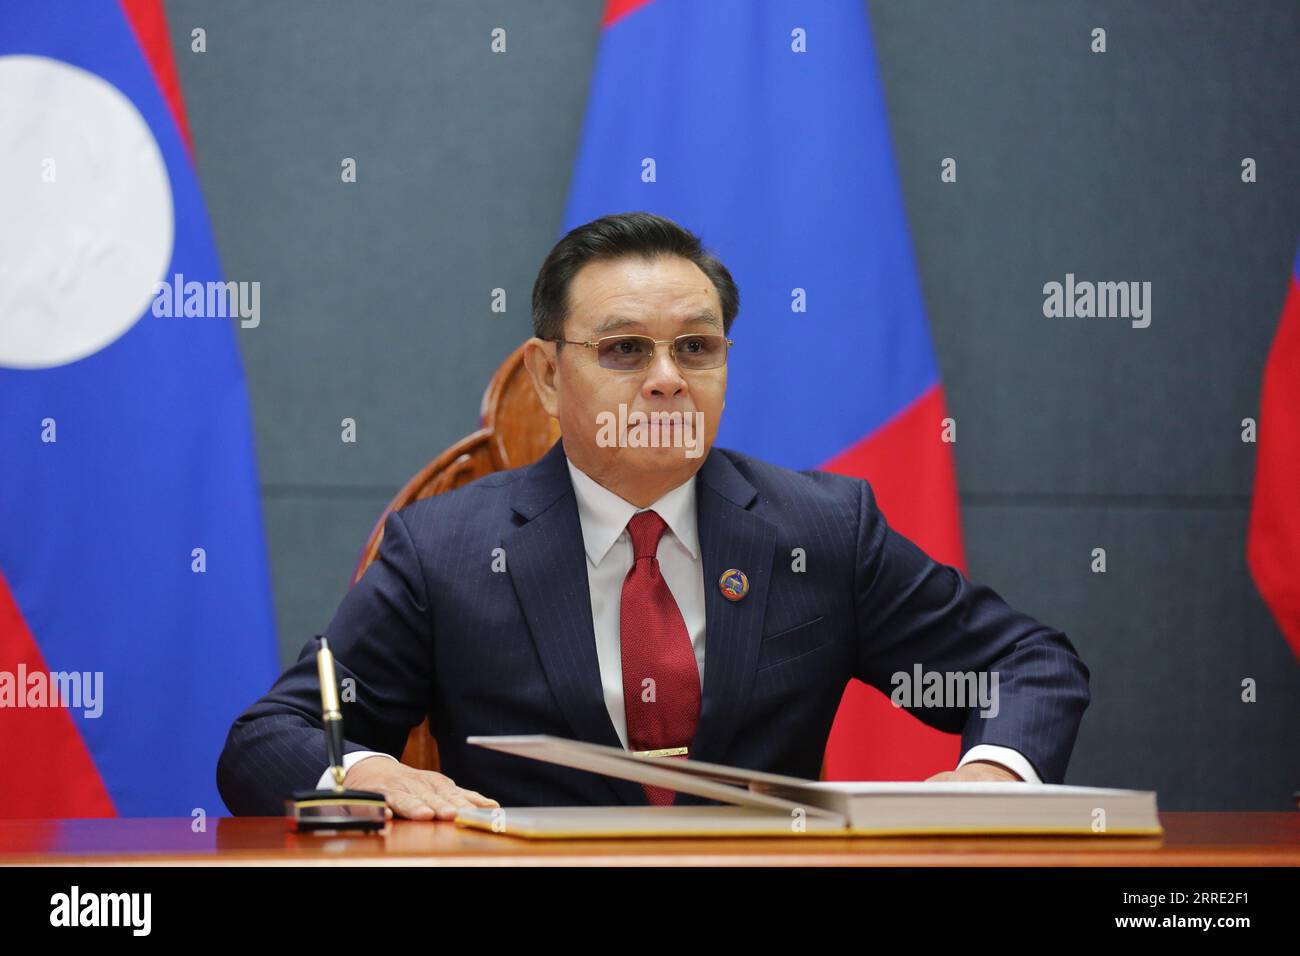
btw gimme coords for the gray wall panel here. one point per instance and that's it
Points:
(1169, 632)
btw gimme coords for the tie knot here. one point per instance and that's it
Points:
(646, 529)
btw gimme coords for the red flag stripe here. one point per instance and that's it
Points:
(1273, 543)
(616, 10)
(149, 24)
(912, 475)
(49, 770)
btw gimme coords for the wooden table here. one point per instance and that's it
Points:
(1191, 839)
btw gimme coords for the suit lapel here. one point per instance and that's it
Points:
(548, 567)
(731, 536)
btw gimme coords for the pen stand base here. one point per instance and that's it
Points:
(357, 810)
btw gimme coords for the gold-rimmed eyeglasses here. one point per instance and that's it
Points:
(631, 353)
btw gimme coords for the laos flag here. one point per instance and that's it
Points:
(135, 609)
(760, 125)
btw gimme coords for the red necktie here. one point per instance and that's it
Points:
(661, 680)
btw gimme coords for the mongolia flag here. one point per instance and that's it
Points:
(135, 609)
(1273, 544)
(761, 126)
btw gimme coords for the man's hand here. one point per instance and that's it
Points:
(975, 771)
(414, 794)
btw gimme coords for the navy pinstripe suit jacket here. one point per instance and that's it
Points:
(432, 629)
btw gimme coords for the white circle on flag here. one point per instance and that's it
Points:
(87, 225)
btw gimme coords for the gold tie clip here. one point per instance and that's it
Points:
(663, 752)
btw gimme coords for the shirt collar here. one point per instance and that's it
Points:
(604, 515)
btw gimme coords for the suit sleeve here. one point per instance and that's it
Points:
(912, 610)
(383, 650)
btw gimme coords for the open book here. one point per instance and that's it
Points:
(769, 804)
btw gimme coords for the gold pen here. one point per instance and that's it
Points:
(331, 715)
(337, 809)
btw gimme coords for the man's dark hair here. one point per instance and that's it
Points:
(640, 234)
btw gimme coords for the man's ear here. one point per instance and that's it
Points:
(542, 363)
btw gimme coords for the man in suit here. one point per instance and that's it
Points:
(641, 593)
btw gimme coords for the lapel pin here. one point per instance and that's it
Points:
(733, 584)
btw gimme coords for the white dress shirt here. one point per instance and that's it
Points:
(604, 517)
